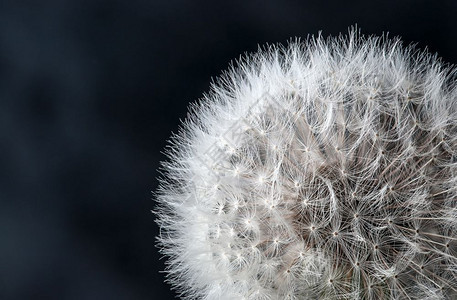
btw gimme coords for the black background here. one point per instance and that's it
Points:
(89, 93)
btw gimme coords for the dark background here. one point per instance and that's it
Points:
(89, 93)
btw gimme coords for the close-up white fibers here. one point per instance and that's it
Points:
(324, 169)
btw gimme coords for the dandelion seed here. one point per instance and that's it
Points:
(326, 169)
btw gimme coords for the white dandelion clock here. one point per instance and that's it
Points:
(326, 169)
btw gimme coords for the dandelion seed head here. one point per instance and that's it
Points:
(325, 169)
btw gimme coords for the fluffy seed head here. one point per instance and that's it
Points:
(326, 169)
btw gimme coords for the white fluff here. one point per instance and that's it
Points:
(321, 170)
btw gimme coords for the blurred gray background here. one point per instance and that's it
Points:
(89, 93)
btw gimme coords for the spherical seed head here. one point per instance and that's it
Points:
(322, 170)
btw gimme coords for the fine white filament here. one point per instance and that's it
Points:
(326, 169)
